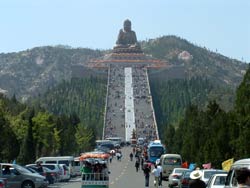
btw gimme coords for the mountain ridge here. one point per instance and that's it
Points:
(30, 73)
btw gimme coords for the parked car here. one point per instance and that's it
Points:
(19, 177)
(184, 179)
(65, 173)
(207, 173)
(174, 177)
(217, 181)
(55, 168)
(3, 183)
(47, 173)
(231, 181)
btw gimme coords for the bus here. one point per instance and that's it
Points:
(67, 160)
(155, 150)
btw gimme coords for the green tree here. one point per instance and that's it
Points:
(9, 145)
(27, 153)
(243, 115)
(83, 138)
(43, 124)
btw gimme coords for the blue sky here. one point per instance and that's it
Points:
(216, 24)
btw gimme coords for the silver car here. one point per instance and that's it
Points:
(19, 177)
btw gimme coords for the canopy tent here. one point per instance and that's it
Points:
(94, 155)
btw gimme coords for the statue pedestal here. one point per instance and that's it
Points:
(127, 55)
(127, 49)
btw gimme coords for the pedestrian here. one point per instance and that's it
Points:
(156, 174)
(131, 156)
(195, 180)
(86, 170)
(118, 156)
(6, 170)
(159, 168)
(137, 165)
(146, 171)
(39, 167)
(243, 177)
(142, 162)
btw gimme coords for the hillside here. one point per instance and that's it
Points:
(31, 72)
(187, 60)
(84, 97)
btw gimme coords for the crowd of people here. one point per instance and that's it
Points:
(148, 168)
(94, 170)
(115, 124)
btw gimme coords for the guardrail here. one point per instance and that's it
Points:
(95, 177)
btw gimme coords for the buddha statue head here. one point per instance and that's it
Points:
(127, 25)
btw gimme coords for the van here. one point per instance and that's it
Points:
(231, 181)
(77, 166)
(117, 141)
(100, 142)
(168, 163)
(67, 160)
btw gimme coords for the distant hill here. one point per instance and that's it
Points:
(32, 72)
(187, 60)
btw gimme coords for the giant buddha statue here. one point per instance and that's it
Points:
(126, 40)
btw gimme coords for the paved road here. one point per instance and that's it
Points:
(123, 175)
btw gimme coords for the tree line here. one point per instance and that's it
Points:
(213, 134)
(172, 97)
(66, 121)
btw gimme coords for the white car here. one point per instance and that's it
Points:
(207, 173)
(174, 177)
(65, 173)
(217, 181)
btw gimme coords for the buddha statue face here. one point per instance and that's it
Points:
(127, 25)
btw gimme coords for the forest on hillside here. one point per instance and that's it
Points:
(212, 134)
(65, 121)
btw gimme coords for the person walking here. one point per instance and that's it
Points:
(137, 164)
(159, 168)
(142, 162)
(118, 156)
(131, 156)
(146, 171)
(156, 174)
(110, 158)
